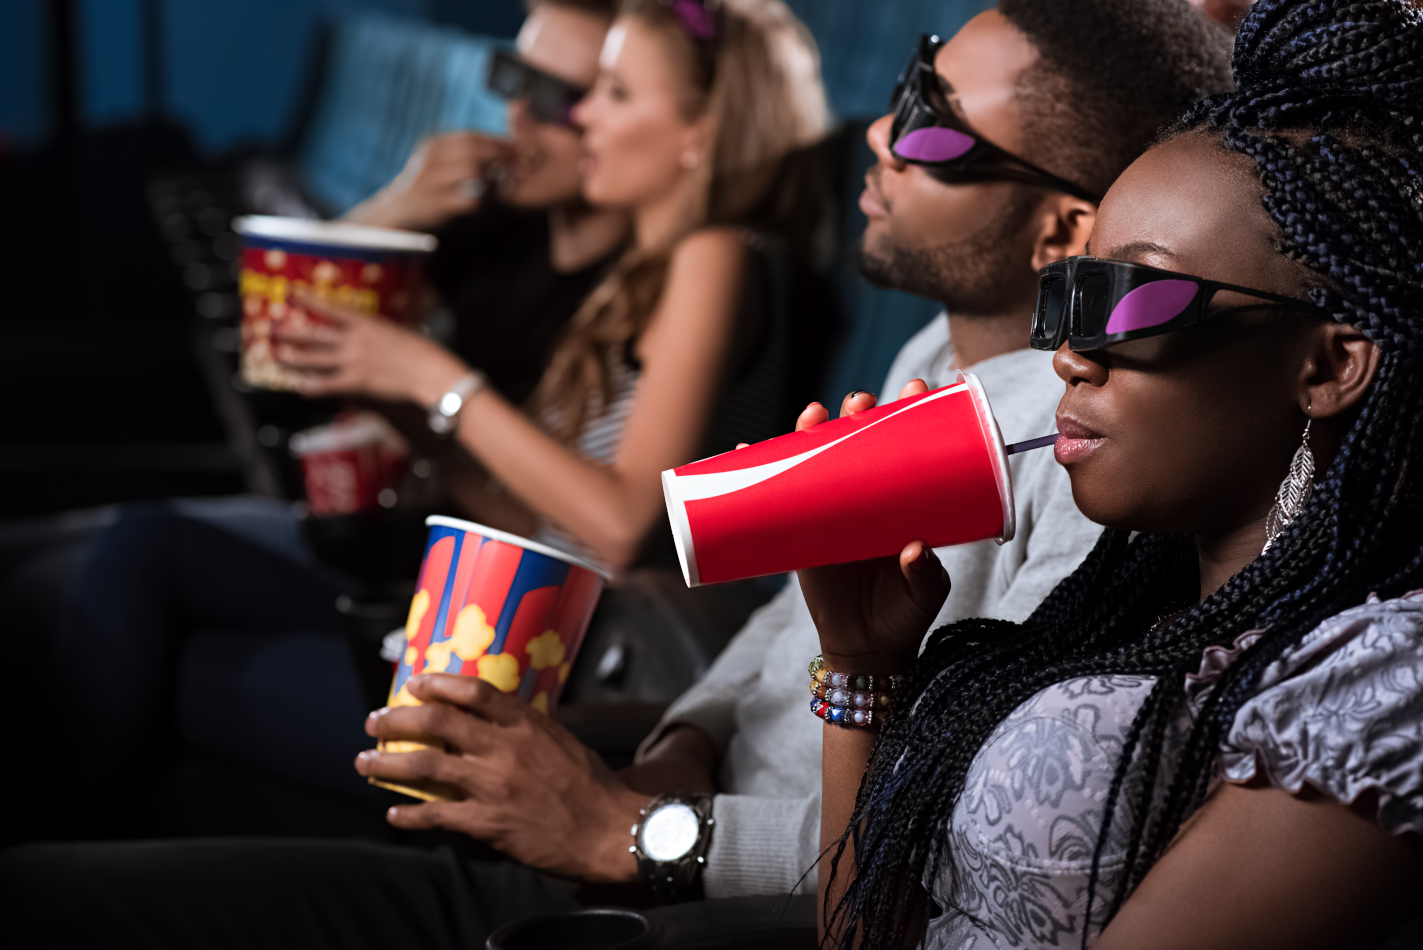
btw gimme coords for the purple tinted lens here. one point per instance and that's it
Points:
(1151, 305)
(933, 145)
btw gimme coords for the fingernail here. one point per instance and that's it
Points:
(377, 713)
(391, 812)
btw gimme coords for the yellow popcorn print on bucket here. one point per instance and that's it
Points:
(473, 634)
(500, 670)
(545, 650)
(418, 606)
(437, 657)
(403, 698)
(540, 702)
(471, 638)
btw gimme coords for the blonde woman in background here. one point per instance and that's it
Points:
(677, 351)
(695, 106)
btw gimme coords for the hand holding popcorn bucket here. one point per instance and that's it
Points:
(378, 271)
(931, 468)
(497, 606)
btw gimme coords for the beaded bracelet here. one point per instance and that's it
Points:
(850, 699)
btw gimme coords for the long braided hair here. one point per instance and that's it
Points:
(1329, 105)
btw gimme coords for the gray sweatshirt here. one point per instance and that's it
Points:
(754, 702)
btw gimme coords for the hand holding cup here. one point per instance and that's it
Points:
(872, 615)
(519, 780)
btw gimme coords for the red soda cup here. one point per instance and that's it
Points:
(348, 464)
(931, 468)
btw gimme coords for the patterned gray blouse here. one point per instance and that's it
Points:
(1341, 711)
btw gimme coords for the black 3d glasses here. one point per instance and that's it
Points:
(926, 132)
(549, 99)
(1093, 303)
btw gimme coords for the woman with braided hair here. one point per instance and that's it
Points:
(1211, 734)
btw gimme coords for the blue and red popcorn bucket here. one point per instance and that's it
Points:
(497, 606)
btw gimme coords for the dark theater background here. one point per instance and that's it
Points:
(130, 133)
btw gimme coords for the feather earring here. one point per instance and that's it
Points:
(1293, 494)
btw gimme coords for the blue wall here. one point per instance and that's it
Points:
(865, 43)
(24, 103)
(235, 67)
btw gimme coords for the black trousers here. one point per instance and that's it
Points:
(263, 893)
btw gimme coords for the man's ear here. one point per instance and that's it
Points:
(1063, 225)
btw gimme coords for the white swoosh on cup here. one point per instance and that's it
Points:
(712, 484)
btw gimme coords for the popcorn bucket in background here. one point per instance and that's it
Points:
(931, 468)
(352, 464)
(493, 605)
(373, 270)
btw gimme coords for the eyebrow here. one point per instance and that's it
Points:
(1135, 249)
(950, 94)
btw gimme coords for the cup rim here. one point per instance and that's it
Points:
(494, 534)
(339, 234)
(993, 436)
(650, 927)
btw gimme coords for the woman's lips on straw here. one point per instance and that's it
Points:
(1077, 441)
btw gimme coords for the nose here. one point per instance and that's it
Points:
(1074, 368)
(580, 111)
(878, 138)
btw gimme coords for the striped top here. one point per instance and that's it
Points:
(602, 434)
(756, 401)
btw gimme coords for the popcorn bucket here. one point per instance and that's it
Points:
(493, 605)
(931, 467)
(373, 270)
(348, 464)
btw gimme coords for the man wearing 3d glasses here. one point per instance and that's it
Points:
(997, 147)
(519, 248)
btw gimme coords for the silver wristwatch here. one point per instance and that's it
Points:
(444, 415)
(670, 841)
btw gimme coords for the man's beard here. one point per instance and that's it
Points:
(977, 273)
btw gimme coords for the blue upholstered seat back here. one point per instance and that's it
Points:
(388, 83)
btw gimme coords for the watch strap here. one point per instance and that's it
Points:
(443, 417)
(680, 879)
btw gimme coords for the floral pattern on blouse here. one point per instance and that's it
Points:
(1341, 710)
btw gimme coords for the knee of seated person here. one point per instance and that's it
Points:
(141, 527)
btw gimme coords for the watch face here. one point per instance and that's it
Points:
(670, 832)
